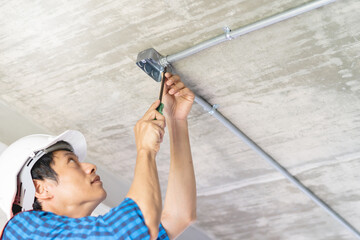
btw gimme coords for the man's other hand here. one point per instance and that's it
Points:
(149, 130)
(177, 98)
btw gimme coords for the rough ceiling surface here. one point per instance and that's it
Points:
(293, 87)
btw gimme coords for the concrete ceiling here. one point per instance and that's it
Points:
(293, 87)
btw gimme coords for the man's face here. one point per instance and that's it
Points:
(78, 184)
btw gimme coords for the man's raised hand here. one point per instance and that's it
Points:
(149, 130)
(177, 98)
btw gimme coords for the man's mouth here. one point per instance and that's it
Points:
(96, 179)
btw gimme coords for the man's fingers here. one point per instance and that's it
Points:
(153, 106)
(160, 131)
(160, 123)
(153, 115)
(184, 92)
(176, 87)
(151, 112)
(168, 75)
(172, 79)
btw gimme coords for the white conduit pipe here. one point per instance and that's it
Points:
(212, 110)
(244, 30)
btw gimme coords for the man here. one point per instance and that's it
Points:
(47, 176)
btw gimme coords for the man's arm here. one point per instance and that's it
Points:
(145, 188)
(180, 201)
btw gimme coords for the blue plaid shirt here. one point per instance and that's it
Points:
(122, 222)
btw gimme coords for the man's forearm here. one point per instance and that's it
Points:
(180, 201)
(145, 190)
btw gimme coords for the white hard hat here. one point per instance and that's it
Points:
(20, 157)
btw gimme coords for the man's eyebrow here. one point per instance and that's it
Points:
(70, 153)
(66, 154)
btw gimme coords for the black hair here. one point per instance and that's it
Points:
(42, 170)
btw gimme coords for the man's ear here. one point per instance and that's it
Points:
(42, 189)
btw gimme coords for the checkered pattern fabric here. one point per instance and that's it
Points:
(122, 222)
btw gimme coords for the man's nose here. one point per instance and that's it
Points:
(89, 168)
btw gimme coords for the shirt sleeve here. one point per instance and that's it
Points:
(130, 221)
(162, 233)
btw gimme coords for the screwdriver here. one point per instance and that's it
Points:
(161, 106)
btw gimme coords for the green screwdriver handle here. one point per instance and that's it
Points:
(160, 108)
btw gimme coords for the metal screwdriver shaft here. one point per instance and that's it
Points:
(161, 106)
